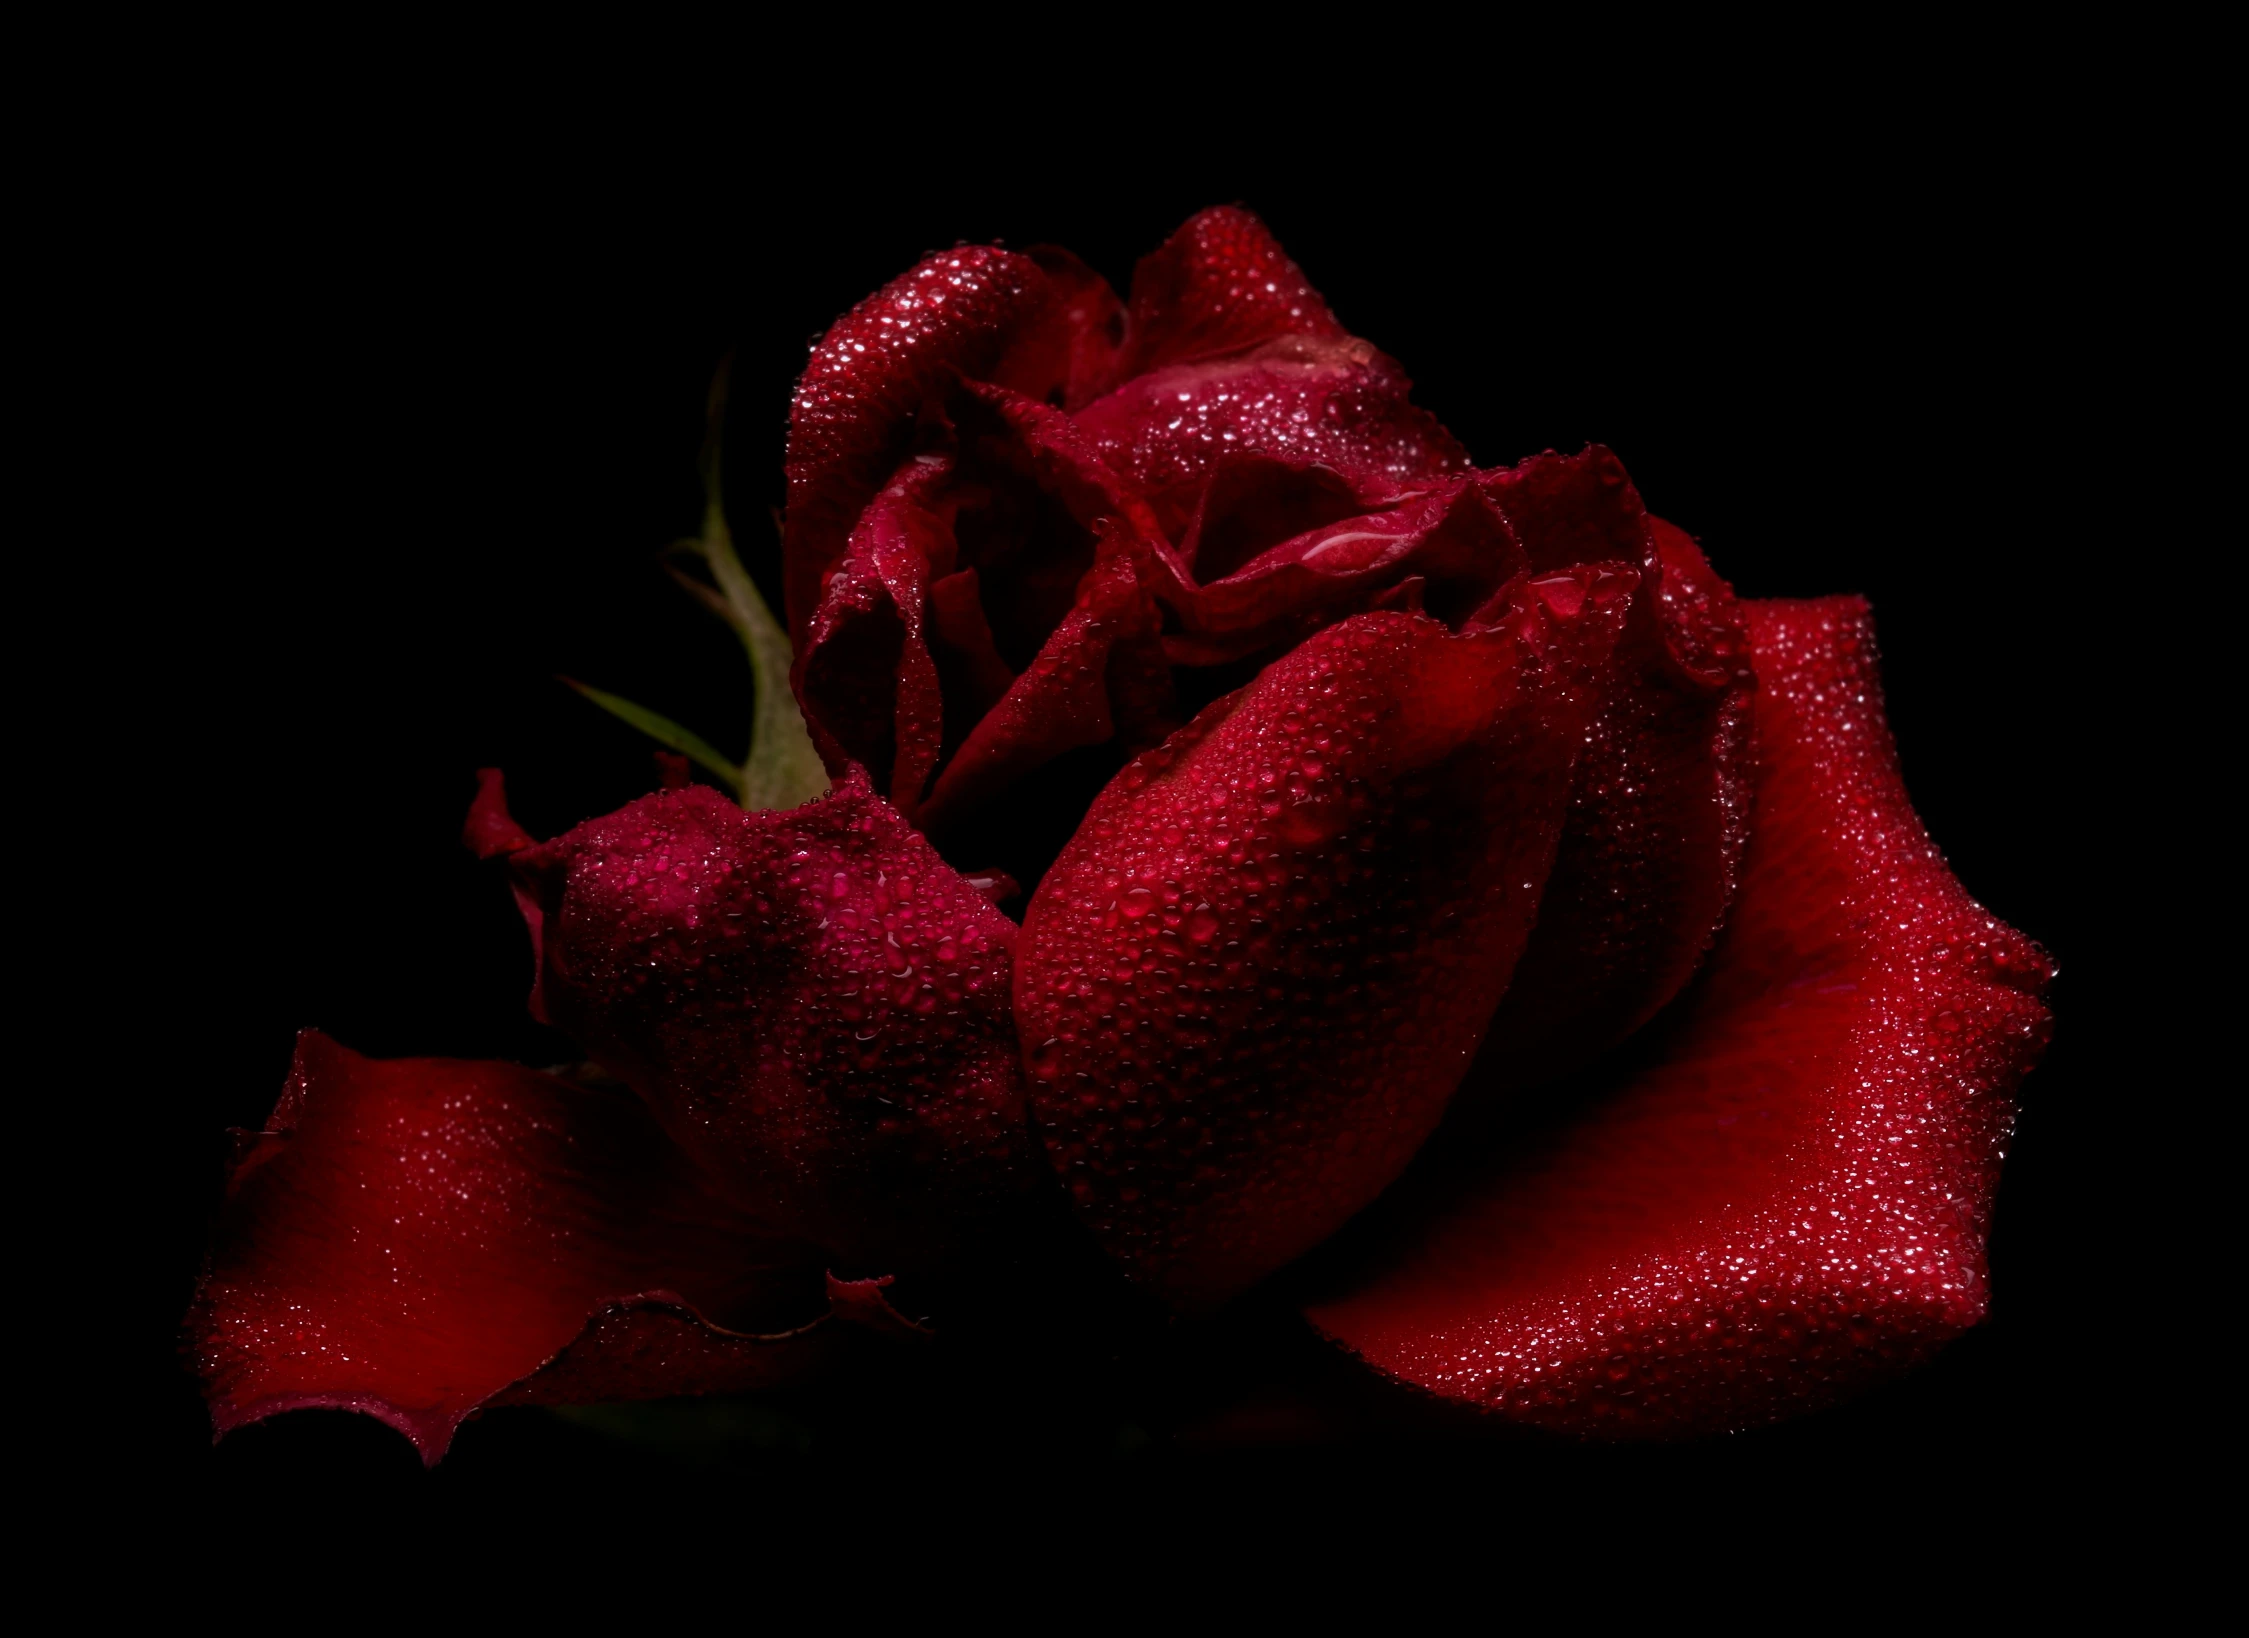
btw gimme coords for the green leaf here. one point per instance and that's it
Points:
(663, 731)
(782, 769)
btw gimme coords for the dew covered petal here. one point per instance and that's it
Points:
(813, 1003)
(1783, 1192)
(1253, 979)
(417, 1238)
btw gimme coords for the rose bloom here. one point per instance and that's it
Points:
(1436, 883)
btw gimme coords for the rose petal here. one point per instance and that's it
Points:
(1094, 321)
(1787, 1195)
(1660, 808)
(1101, 676)
(657, 1347)
(814, 1004)
(1251, 500)
(1221, 284)
(968, 656)
(1452, 538)
(419, 1237)
(1040, 496)
(1333, 412)
(1018, 504)
(865, 677)
(1255, 976)
(491, 832)
(976, 311)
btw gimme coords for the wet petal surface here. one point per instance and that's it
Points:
(1252, 981)
(1784, 1192)
(814, 1004)
(1221, 284)
(1660, 808)
(977, 311)
(416, 1238)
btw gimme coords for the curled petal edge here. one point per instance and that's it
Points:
(1783, 1194)
(420, 1239)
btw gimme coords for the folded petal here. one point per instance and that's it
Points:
(1786, 1194)
(865, 676)
(1325, 426)
(1660, 809)
(417, 1238)
(1221, 284)
(1039, 496)
(813, 1003)
(1101, 676)
(1451, 536)
(1093, 325)
(1255, 976)
(977, 311)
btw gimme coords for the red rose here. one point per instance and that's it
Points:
(1434, 864)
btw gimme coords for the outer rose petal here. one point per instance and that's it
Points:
(1660, 810)
(1221, 284)
(813, 1003)
(1253, 979)
(976, 311)
(1790, 1198)
(420, 1237)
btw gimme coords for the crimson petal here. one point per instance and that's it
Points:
(1255, 976)
(814, 1004)
(1019, 540)
(1789, 1198)
(421, 1237)
(865, 676)
(1334, 413)
(977, 311)
(1100, 676)
(1093, 323)
(1660, 809)
(1221, 284)
(1451, 536)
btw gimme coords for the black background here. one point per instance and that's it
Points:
(426, 410)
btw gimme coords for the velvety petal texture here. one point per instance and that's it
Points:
(418, 1238)
(1786, 1194)
(1256, 975)
(1660, 807)
(1222, 284)
(1299, 425)
(813, 1003)
(997, 562)
(1434, 867)
(977, 311)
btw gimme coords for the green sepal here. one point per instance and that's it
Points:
(782, 770)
